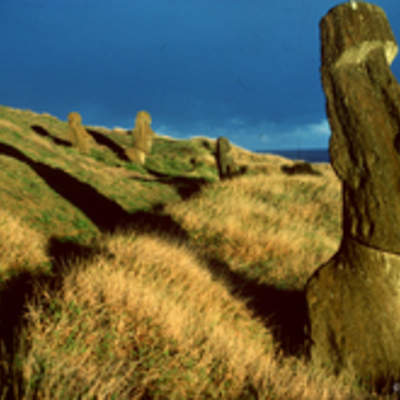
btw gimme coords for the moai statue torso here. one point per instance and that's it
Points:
(354, 299)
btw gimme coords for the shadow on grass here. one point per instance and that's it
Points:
(186, 187)
(304, 168)
(283, 310)
(15, 294)
(43, 132)
(103, 140)
(18, 289)
(106, 214)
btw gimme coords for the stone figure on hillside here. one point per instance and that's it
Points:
(143, 137)
(354, 299)
(226, 166)
(77, 133)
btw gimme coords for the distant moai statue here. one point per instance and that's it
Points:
(354, 298)
(77, 133)
(226, 166)
(143, 137)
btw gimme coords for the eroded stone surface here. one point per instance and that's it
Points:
(77, 133)
(353, 303)
(354, 299)
(143, 137)
(226, 166)
(363, 99)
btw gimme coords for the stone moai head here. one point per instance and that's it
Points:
(226, 166)
(223, 145)
(353, 299)
(363, 107)
(143, 119)
(74, 118)
(142, 132)
(77, 133)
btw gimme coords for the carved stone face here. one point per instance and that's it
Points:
(223, 145)
(353, 299)
(74, 117)
(363, 106)
(142, 132)
(143, 117)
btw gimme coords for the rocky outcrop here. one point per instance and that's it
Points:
(78, 135)
(299, 168)
(143, 137)
(354, 299)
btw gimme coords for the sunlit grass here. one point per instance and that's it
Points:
(151, 315)
(21, 247)
(261, 218)
(140, 324)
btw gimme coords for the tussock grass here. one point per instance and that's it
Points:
(267, 219)
(139, 324)
(199, 299)
(21, 247)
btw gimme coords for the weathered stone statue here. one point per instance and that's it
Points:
(143, 137)
(77, 133)
(354, 299)
(226, 166)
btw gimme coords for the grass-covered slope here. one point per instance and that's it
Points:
(158, 282)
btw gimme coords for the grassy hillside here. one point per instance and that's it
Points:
(119, 281)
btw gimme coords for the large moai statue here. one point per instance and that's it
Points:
(226, 166)
(77, 133)
(354, 299)
(143, 137)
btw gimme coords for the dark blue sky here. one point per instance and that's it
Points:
(244, 69)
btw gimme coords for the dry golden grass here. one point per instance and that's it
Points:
(152, 321)
(151, 316)
(20, 246)
(144, 324)
(256, 218)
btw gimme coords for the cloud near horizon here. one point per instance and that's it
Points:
(264, 135)
(249, 134)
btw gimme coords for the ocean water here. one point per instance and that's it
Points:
(310, 155)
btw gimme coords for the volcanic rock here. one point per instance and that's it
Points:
(226, 166)
(78, 135)
(143, 137)
(354, 299)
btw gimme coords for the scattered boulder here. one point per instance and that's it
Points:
(299, 168)
(226, 166)
(143, 137)
(78, 136)
(354, 299)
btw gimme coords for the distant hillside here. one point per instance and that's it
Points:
(121, 281)
(43, 179)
